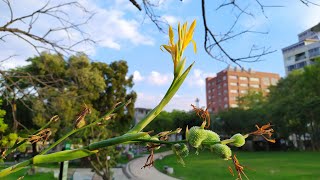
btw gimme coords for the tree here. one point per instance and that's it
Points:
(293, 103)
(251, 100)
(7, 139)
(233, 119)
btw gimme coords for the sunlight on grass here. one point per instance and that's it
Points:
(261, 165)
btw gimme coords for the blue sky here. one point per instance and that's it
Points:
(124, 33)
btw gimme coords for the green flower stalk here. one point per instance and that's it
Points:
(185, 36)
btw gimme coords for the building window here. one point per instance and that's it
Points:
(243, 78)
(300, 56)
(224, 77)
(254, 85)
(233, 98)
(225, 105)
(209, 97)
(290, 58)
(243, 85)
(266, 81)
(243, 91)
(219, 94)
(224, 84)
(209, 91)
(225, 98)
(233, 77)
(233, 105)
(254, 79)
(314, 52)
(212, 89)
(274, 81)
(212, 83)
(225, 91)
(301, 64)
(219, 87)
(233, 91)
(291, 67)
(233, 84)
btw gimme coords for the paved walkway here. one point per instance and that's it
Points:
(134, 170)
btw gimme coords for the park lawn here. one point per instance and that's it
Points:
(263, 165)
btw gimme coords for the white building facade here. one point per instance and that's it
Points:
(302, 53)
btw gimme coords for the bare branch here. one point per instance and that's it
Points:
(136, 4)
(42, 42)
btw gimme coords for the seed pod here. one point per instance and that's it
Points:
(212, 137)
(196, 136)
(239, 140)
(181, 149)
(222, 150)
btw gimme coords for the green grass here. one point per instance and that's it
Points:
(263, 165)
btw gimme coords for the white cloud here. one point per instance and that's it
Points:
(137, 76)
(172, 20)
(198, 78)
(158, 79)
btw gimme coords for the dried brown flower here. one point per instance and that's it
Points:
(264, 131)
(43, 135)
(203, 114)
(239, 168)
(80, 121)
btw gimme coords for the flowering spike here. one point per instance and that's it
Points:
(176, 50)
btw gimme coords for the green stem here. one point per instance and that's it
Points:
(65, 137)
(227, 141)
(160, 142)
(115, 140)
(71, 154)
(84, 127)
(175, 85)
(15, 168)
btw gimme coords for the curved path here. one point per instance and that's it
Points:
(133, 169)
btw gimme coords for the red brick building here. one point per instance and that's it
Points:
(222, 91)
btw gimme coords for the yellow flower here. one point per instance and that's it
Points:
(185, 36)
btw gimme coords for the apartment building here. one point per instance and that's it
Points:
(302, 53)
(222, 91)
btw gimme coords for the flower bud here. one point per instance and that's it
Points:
(212, 137)
(239, 140)
(222, 150)
(196, 136)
